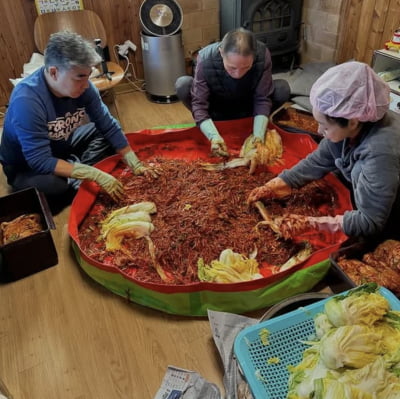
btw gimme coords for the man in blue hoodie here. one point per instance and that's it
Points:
(57, 126)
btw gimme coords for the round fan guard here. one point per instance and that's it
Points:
(160, 17)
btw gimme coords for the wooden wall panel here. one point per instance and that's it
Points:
(348, 28)
(365, 25)
(370, 31)
(122, 22)
(364, 28)
(120, 18)
(16, 41)
(376, 39)
(392, 21)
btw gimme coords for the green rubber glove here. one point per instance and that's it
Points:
(109, 183)
(249, 146)
(218, 146)
(137, 167)
(260, 124)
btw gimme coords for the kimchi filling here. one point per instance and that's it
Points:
(199, 214)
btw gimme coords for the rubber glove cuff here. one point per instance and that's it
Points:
(133, 162)
(275, 188)
(85, 172)
(109, 183)
(209, 130)
(327, 223)
(260, 124)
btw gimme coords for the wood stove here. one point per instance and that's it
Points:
(276, 23)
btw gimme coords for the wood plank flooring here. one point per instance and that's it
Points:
(136, 112)
(63, 336)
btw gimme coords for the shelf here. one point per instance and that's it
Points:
(389, 60)
(385, 61)
(389, 53)
(394, 86)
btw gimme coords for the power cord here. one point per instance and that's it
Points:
(137, 84)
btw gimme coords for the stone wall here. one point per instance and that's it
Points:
(200, 24)
(320, 30)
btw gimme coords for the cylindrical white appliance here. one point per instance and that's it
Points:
(162, 48)
(163, 63)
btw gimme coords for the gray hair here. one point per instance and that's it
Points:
(66, 50)
(239, 41)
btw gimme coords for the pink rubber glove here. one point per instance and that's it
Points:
(327, 223)
(275, 188)
(290, 226)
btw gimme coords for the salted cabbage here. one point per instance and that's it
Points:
(360, 306)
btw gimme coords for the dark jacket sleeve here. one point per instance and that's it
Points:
(103, 119)
(200, 94)
(315, 166)
(375, 181)
(264, 89)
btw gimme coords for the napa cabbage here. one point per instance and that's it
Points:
(372, 378)
(360, 306)
(327, 388)
(129, 221)
(322, 325)
(231, 267)
(355, 353)
(303, 375)
(144, 206)
(391, 391)
(350, 346)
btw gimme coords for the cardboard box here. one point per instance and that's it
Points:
(29, 255)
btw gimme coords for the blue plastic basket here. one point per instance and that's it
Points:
(269, 380)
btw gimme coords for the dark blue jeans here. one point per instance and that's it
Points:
(87, 146)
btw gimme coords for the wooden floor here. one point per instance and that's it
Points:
(136, 112)
(63, 336)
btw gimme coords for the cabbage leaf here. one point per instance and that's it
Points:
(360, 306)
